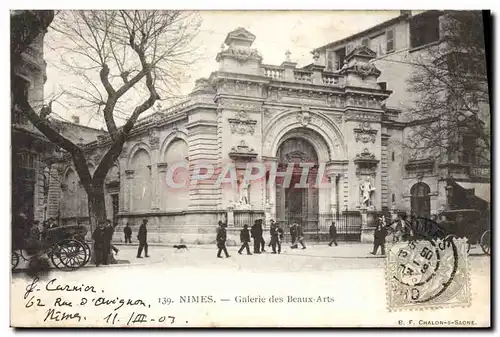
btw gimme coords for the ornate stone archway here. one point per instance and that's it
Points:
(316, 121)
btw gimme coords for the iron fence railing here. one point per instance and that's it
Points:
(317, 226)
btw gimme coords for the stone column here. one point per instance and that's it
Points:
(333, 193)
(366, 230)
(154, 142)
(162, 176)
(230, 216)
(129, 176)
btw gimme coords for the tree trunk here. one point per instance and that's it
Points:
(97, 212)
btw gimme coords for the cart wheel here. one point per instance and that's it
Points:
(69, 254)
(88, 251)
(14, 260)
(485, 242)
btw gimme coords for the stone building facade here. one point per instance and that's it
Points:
(249, 113)
(345, 123)
(416, 182)
(32, 153)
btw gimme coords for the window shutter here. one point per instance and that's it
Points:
(390, 40)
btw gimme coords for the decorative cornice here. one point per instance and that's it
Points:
(366, 158)
(242, 152)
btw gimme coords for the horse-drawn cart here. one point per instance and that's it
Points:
(65, 246)
(470, 224)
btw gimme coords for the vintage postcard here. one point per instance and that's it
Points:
(177, 168)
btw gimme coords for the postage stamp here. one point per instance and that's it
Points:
(426, 274)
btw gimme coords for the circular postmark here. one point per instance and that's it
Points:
(422, 270)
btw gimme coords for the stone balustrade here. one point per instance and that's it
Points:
(302, 75)
(274, 72)
(330, 78)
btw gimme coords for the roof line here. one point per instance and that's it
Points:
(401, 17)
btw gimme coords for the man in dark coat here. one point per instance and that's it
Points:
(245, 239)
(297, 236)
(379, 238)
(221, 240)
(275, 236)
(142, 236)
(99, 237)
(257, 236)
(333, 234)
(109, 231)
(128, 233)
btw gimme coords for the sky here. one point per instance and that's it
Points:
(276, 32)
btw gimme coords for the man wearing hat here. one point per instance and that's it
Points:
(142, 236)
(297, 236)
(245, 240)
(221, 239)
(256, 232)
(99, 237)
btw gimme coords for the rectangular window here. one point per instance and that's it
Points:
(424, 29)
(341, 53)
(389, 35)
(393, 198)
(393, 156)
(365, 42)
(330, 59)
(348, 48)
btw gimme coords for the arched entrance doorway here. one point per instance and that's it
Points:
(297, 201)
(421, 200)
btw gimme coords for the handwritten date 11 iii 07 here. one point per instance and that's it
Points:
(139, 318)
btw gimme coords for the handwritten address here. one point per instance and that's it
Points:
(63, 309)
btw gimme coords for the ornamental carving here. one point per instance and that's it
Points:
(154, 141)
(241, 54)
(242, 124)
(365, 133)
(242, 152)
(366, 163)
(304, 116)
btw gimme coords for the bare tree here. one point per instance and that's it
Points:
(450, 88)
(125, 61)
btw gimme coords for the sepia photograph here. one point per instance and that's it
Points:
(260, 168)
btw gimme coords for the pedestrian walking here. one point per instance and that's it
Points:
(333, 234)
(245, 240)
(277, 236)
(99, 237)
(127, 231)
(297, 236)
(379, 238)
(142, 236)
(256, 233)
(110, 230)
(221, 240)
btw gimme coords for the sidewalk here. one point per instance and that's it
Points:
(344, 250)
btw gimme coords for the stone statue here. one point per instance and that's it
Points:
(244, 197)
(366, 189)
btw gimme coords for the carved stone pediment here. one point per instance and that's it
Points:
(241, 35)
(366, 160)
(242, 152)
(365, 133)
(242, 124)
(297, 157)
(361, 52)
